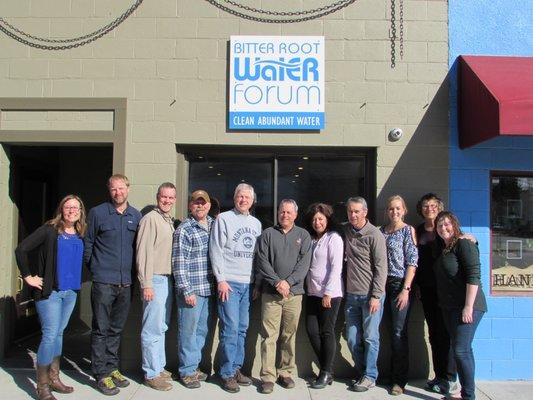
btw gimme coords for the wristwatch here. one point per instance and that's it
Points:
(408, 288)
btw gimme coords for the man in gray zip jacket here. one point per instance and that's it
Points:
(282, 260)
(366, 269)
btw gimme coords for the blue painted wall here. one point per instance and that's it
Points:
(504, 341)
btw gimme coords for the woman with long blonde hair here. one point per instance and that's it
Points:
(402, 260)
(55, 281)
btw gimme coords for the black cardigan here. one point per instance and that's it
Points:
(45, 240)
(454, 270)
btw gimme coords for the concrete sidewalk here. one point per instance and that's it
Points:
(18, 384)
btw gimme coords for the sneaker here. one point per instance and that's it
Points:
(453, 386)
(201, 376)
(107, 386)
(363, 384)
(190, 381)
(118, 379)
(230, 385)
(158, 383)
(286, 381)
(396, 390)
(166, 375)
(267, 387)
(242, 379)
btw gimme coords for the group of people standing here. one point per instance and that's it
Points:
(229, 261)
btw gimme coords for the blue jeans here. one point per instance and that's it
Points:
(192, 330)
(399, 338)
(54, 314)
(461, 336)
(111, 305)
(234, 317)
(362, 331)
(156, 317)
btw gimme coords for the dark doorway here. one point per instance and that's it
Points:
(40, 177)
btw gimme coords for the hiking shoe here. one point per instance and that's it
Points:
(107, 386)
(158, 383)
(242, 379)
(286, 381)
(432, 382)
(190, 381)
(201, 376)
(396, 390)
(363, 384)
(118, 379)
(267, 387)
(166, 375)
(443, 386)
(230, 385)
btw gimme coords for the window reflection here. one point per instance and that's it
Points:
(512, 233)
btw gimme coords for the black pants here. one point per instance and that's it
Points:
(439, 340)
(320, 324)
(399, 338)
(111, 304)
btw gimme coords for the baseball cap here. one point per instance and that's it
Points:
(200, 194)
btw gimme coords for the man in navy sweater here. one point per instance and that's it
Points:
(109, 255)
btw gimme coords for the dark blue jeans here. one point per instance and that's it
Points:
(399, 339)
(461, 336)
(111, 304)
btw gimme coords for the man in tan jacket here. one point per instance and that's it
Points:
(154, 249)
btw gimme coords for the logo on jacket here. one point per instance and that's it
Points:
(299, 241)
(248, 242)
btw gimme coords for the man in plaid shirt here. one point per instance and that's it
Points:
(194, 286)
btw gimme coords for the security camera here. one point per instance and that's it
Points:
(395, 134)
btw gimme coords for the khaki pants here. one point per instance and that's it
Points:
(277, 313)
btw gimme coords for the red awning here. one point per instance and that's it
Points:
(495, 98)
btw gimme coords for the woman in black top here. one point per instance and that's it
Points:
(55, 280)
(461, 298)
(445, 378)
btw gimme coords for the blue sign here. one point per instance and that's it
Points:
(276, 82)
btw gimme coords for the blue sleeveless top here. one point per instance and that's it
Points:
(69, 261)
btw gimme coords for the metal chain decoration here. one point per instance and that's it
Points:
(293, 16)
(66, 44)
(392, 33)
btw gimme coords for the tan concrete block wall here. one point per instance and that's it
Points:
(169, 61)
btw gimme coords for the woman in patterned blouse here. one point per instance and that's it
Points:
(402, 257)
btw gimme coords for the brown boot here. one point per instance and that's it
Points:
(43, 383)
(55, 382)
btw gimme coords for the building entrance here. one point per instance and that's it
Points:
(39, 177)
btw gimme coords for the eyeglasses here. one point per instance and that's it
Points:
(71, 208)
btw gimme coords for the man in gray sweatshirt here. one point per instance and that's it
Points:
(283, 258)
(231, 249)
(366, 269)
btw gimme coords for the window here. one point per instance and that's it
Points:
(317, 175)
(512, 233)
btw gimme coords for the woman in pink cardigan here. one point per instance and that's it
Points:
(324, 289)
